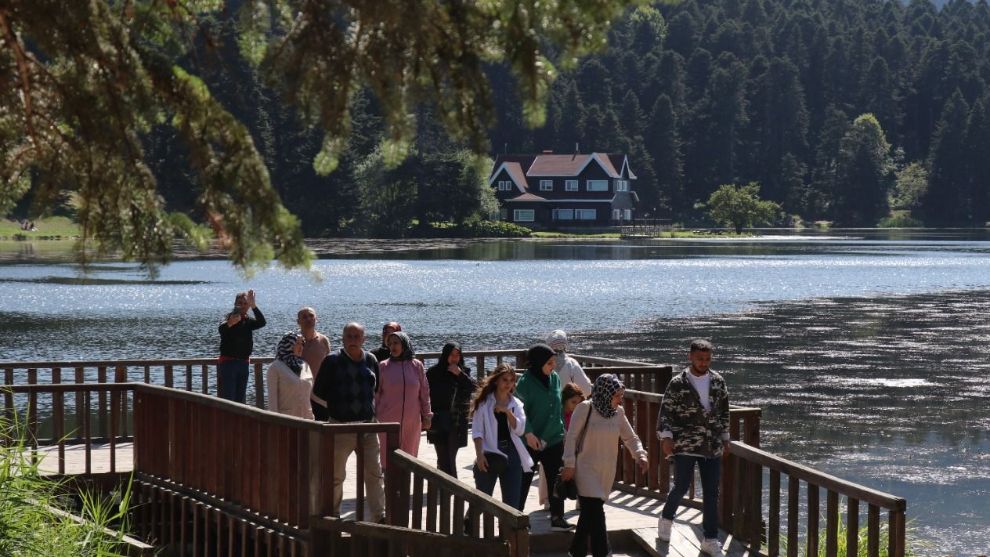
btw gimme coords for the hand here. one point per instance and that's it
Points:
(233, 319)
(427, 422)
(533, 441)
(297, 348)
(667, 445)
(644, 464)
(481, 462)
(567, 474)
(250, 299)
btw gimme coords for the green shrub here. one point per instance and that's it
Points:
(899, 220)
(494, 229)
(30, 519)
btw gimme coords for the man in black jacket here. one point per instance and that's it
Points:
(236, 344)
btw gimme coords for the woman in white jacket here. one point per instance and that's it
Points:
(596, 428)
(498, 420)
(290, 379)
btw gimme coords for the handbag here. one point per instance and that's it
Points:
(567, 489)
(496, 463)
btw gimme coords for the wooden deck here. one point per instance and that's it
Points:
(634, 514)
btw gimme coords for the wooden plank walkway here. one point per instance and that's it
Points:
(624, 511)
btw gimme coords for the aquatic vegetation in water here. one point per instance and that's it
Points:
(35, 514)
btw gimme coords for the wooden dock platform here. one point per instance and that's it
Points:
(634, 516)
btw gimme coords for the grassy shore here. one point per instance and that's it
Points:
(49, 228)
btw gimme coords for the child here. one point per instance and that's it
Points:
(570, 396)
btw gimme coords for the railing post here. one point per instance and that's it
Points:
(259, 386)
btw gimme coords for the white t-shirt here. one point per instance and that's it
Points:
(703, 385)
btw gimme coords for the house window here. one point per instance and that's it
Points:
(503, 213)
(563, 214)
(596, 185)
(622, 185)
(546, 185)
(570, 185)
(585, 214)
(504, 185)
(524, 215)
(616, 214)
(628, 214)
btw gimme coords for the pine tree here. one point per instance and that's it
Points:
(664, 146)
(947, 200)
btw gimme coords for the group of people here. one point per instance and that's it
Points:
(550, 418)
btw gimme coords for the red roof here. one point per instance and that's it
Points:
(548, 164)
(527, 197)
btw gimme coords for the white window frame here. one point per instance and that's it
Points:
(558, 214)
(546, 185)
(570, 185)
(518, 215)
(596, 185)
(616, 214)
(585, 214)
(628, 214)
(505, 185)
(622, 185)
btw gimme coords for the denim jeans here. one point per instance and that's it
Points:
(233, 375)
(510, 479)
(711, 472)
(590, 526)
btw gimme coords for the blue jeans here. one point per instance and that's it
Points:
(510, 479)
(233, 377)
(711, 472)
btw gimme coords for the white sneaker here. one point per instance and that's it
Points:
(663, 529)
(712, 547)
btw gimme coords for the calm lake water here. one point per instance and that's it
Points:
(868, 355)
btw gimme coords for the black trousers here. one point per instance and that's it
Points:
(552, 459)
(446, 448)
(590, 526)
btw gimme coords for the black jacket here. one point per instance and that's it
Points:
(238, 341)
(450, 396)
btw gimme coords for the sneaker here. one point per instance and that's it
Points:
(560, 523)
(712, 547)
(664, 525)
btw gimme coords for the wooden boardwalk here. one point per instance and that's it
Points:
(634, 514)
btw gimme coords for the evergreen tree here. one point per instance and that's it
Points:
(864, 172)
(978, 163)
(664, 147)
(947, 200)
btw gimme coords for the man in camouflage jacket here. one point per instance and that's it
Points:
(693, 428)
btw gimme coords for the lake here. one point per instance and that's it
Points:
(867, 351)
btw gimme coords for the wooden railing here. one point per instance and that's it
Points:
(437, 502)
(859, 502)
(267, 469)
(642, 409)
(73, 419)
(200, 374)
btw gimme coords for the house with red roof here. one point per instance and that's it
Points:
(551, 190)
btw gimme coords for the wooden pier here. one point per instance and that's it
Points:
(213, 477)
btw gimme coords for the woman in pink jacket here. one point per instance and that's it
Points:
(403, 394)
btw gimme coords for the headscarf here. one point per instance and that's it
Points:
(407, 349)
(601, 394)
(284, 352)
(537, 355)
(558, 341)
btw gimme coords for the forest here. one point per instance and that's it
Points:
(860, 113)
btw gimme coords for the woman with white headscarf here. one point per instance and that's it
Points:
(567, 368)
(289, 379)
(596, 427)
